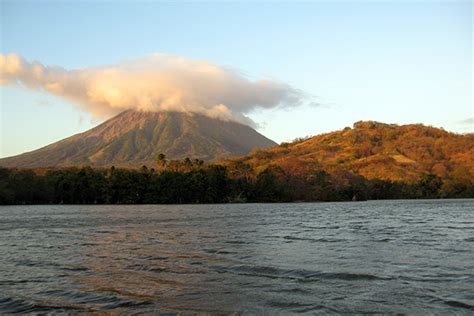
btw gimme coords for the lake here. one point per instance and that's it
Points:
(413, 257)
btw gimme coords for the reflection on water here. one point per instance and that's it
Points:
(382, 257)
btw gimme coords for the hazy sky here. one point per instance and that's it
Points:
(390, 61)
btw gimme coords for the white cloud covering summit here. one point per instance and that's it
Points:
(156, 82)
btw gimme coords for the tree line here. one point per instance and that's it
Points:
(193, 181)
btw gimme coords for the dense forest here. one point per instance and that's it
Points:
(187, 181)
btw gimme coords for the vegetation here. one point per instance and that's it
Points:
(370, 161)
(375, 151)
(195, 182)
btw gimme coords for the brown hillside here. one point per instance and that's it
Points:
(375, 151)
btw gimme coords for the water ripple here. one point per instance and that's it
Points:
(380, 257)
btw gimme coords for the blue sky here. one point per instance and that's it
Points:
(395, 62)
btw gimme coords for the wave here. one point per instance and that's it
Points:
(94, 300)
(298, 274)
(454, 303)
(10, 305)
(314, 239)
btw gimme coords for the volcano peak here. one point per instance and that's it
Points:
(134, 138)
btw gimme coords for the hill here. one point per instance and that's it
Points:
(375, 151)
(369, 161)
(132, 139)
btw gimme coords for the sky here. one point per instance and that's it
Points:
(390, 61)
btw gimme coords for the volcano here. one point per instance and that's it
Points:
(132, 139)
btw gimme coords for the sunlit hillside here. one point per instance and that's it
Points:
(376, 151)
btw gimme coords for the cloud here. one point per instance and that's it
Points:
(157, 82)
(469, 121)
(467, 124)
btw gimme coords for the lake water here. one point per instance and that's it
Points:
(413, 257)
